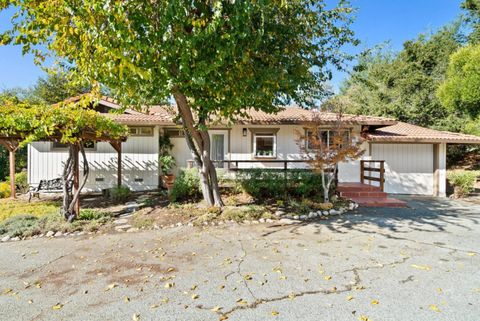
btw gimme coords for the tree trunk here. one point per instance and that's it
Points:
(199, 145)
(70, 204)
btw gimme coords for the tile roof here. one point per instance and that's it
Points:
(138, 119)
(297, 115)
(407, 133)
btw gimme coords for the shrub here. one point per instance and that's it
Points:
(186, 186)
(272, 183)
(119, 193)
(20, 225)
(463, 181)
(88, 214)
(21, 181)
(5, 190)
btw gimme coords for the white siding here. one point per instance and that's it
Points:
(287, 148)
(408, 167)
(139, 161)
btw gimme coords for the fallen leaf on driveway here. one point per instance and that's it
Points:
(136, 317)
(153, 306)
(215, 309)
(169, 285)
(194, 296)
(421, 267)
(433, 307)
(223, 317)
(349, 298)
(242, 302)
(57, 306)
(374, 302)
(6, 291)
(471, 254)
(274, 313)
(126, 299)
(111, 286)
(327, 277)
(364, 318)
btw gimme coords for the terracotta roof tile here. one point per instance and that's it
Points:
(297, 115)
(138, 119)
(403, 132)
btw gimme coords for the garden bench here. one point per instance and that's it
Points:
(48, 186)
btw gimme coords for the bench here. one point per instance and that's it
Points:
(48, 186)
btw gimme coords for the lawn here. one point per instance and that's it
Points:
(10, 208)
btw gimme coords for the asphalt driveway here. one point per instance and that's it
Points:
(418, 263)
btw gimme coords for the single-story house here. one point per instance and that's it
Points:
(413, 157)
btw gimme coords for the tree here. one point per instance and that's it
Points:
(56, 87)
(216, 58)
(402, 85)
(473, 18)
(461, 89)
(22, 122)
(325, 149)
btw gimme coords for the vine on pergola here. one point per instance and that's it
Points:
(71, 123)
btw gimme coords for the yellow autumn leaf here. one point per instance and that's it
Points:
(170, 269)
(215, 309)
(274, 313)
(471, 254)
(165, 300)
(223, 317)
(136, 317)
(6, 291)
(433, 307)
(374, 302)
(349, 298)
(57, 306)
(421, 267)
(247, 277)
(194, 287)
(169, 285)
(364, 318)
(153, 306)
(111, 286)
(439, 290)
(126, 299)
(327, 277)
(195, 296)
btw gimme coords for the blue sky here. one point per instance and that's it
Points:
(377, 21)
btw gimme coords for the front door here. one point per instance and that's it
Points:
(218, 149)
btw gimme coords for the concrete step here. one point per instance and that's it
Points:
(357, 187)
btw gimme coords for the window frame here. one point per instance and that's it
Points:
(138, 130)
(321, 130)
(274, 147)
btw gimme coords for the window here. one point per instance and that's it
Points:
(327, 137)
(174, 132)
(265, 145)
(87, 145)
(141, 131)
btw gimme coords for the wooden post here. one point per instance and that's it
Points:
(76, 177)
(12, 146)
(382, 175)
(362, 171)
(117, 145)
(13, 193)
(119, 164)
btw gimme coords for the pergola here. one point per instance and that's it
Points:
(12, 143)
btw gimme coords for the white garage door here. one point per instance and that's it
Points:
(408, 167)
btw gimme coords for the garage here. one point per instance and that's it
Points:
(409, 168)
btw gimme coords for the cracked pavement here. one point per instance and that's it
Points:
(418, 263)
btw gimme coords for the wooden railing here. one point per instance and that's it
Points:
(369, 166)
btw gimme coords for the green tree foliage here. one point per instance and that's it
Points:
(71, 124)
(55, 88)
(214, 57)
(472, 7)
(403, 85)
(461, 89)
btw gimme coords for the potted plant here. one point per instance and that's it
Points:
(167, 162)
